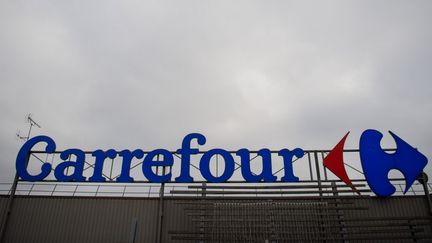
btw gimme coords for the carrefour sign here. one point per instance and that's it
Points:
(376, 163)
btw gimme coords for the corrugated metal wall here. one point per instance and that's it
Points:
(393, 207)
(75, 219)
(56, 219)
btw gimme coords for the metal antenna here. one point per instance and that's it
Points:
(32, 123)
(19, 136)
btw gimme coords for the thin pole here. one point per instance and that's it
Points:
(322, 231)
(160, 208)
(325, 168)
(28, 134)
(133, 231)
(310, 166)
(423, 179)
(10, 201)
(8, 208)
(318, 173)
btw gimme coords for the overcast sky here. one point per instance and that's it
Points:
(254, 74)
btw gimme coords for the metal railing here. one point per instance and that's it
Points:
(149, 190)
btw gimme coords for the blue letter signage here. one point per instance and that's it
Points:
(150, 161)
(376, 163)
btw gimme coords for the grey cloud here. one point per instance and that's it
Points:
(245, 74)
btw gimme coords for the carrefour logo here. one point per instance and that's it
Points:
(377, 163)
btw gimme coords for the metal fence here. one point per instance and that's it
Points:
(147, 190)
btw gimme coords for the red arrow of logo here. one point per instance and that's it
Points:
(335, 163)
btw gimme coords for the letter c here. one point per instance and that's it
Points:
(24, 154)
